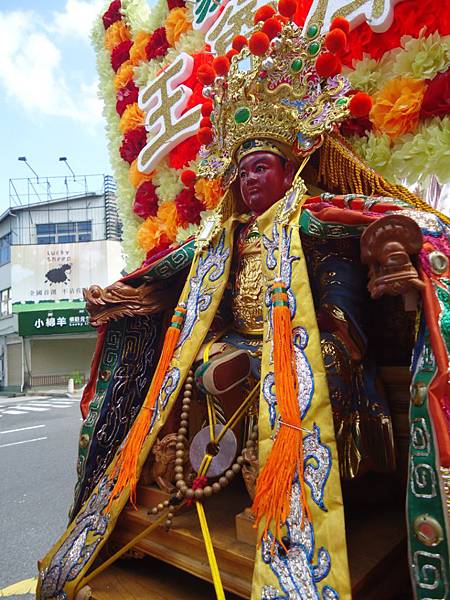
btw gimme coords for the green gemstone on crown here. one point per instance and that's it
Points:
(297, 65)
(342, 101)
(313, 48)
(312, 31)
(242, 115)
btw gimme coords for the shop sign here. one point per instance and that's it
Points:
(57, 272)
(50, 322)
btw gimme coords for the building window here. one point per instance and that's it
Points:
(64, 233)
(5, 249)
(5, 302)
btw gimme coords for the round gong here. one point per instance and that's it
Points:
(224, 452)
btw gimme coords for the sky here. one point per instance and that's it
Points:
(48, 91)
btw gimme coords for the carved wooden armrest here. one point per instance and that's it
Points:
(386, 247)
(119, 300)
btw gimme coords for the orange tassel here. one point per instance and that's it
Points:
(273, 487)
(127, 461)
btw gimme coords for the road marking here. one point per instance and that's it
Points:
(22, 429)
(37, 406)
(32, 408)
(21, 588)
(24, 442)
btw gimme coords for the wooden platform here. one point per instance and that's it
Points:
(183, 545)
(377, 556)
(178, 568)
(150, 579)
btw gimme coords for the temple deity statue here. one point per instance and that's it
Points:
(255, 346)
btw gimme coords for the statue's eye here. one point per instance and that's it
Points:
(260, 168)
(242, 174)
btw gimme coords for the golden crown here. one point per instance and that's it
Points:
(278, 90)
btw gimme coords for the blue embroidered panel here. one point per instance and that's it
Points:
(75, 552)
(200, 296)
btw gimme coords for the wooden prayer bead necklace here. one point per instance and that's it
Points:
(186, 493)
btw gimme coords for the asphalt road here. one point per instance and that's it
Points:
(38, 451)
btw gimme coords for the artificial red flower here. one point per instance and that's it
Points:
(206, 122)
(287, 8)
(207, 108)
(196, 99)
(205, 135)
(239, 42)
(328, 65)
(259, 43)
(436, 100)
(120, 54)
(175, 4)
(272, 27)
(263, 13)
(112, 14)
(146, 201)
(188, 207)
(202, 58)
(184, 152)
(340, 23)
(159, 251)
(410, 17)
(303, 8)
(158, 44)
(357, 44)
(125, 96)
(206, 74)
(133, 142)
(357, 127)
(336, 40)
(188, 178)
(360, 104)
(231, 53)
(192, 82)
(221, 65)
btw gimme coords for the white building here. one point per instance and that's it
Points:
(49, 251)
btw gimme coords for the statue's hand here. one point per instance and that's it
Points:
(386, 247)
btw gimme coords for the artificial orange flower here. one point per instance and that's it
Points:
(176, 24)
(123, 75)
(115, 34)
(209, 192)
(136, 177)
(137, 51)
(132, 117)
(396, 106)
(151, 233)
(167, 214)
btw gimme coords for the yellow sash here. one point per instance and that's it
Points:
(64, 567)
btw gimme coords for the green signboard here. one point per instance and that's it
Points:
(50, 322)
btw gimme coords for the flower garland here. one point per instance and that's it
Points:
(407, 71)
(158, 210)
(406, 137)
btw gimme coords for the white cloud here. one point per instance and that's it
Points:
(76, 19)
(32, 65)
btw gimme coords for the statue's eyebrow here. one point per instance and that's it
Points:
(258, 161)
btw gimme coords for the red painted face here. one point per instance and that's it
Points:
(263, 179)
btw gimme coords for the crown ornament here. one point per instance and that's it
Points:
(279, 91)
